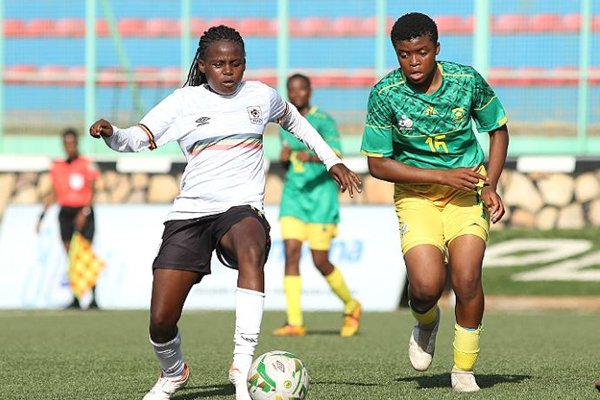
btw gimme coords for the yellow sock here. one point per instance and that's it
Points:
(466, 347)
(337, 283)
(428, 317)
(292, 286)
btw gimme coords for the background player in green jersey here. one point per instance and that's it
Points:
(310, 212)
(418, 135)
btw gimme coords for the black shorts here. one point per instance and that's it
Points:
(66, 220)
(188, 244)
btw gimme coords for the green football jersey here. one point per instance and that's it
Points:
(431, 130)
(309, 193)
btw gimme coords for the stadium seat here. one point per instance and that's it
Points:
(162, 27)
(596, 23)
(170, 76)
(450, 24)
(14, 28)
(510, 23)
(49, 75)
(111, 76)
(70, 27)
(20, 73)
(199, 26)
(315, 26)
(234, 23)
(128, 27)
(533, 76)
(41, 28)
(348, 26)
(545, 23)
(102, 28)
(76, 75)
(565, 75)
(594, 75)
(570, 23)
(147, 76)
(258, 27)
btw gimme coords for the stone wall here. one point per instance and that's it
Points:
(533, 200)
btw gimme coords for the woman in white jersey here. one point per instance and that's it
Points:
(218, 121)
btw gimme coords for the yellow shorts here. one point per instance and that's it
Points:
(437, 214)
(319, 236)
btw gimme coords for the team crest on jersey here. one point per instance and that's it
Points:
(459, 114)
(405, 123)
(255, 114)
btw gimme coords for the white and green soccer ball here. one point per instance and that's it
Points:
(278, 375)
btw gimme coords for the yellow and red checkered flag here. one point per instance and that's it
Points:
(84, 265)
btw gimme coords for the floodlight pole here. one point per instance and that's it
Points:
(90, 68)
(186, 59)
(380, 37)
(583, 96)
(283, 48)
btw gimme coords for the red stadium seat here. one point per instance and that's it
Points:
(111, 76)
(171, 76)
(199, 26)
(128, 27)
(163, 27)
(53, 74)
(102, 28)
(596, 23)
(450, 24)
(594, 75)
(565, 75)
(570, 23)
(41, 28)
(258, 27)
(369, 26)
(233, 23)
(533, 76)
(70, 27)
(20, 73)
(294, 26)
(510, 23)
(348, 26)
(315, 26)
(14, 28)
(147, 76)
(76, 75)
(545, 23)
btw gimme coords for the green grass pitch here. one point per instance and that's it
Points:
(106, 355)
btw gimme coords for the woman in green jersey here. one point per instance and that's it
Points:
(310, 212)
(419, 135)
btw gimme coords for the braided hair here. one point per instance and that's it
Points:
(212, 35)
(413, 25)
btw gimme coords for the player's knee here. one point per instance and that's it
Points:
(425, 294)
(467, 287)
(162, 323)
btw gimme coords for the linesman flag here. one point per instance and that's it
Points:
(84, 265)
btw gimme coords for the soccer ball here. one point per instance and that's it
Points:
(278, 375)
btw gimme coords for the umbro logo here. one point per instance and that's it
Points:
(202, 121)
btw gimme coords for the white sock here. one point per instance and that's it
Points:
(170, 357)
(249, 306)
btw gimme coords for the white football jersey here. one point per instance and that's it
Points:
(222, 140)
